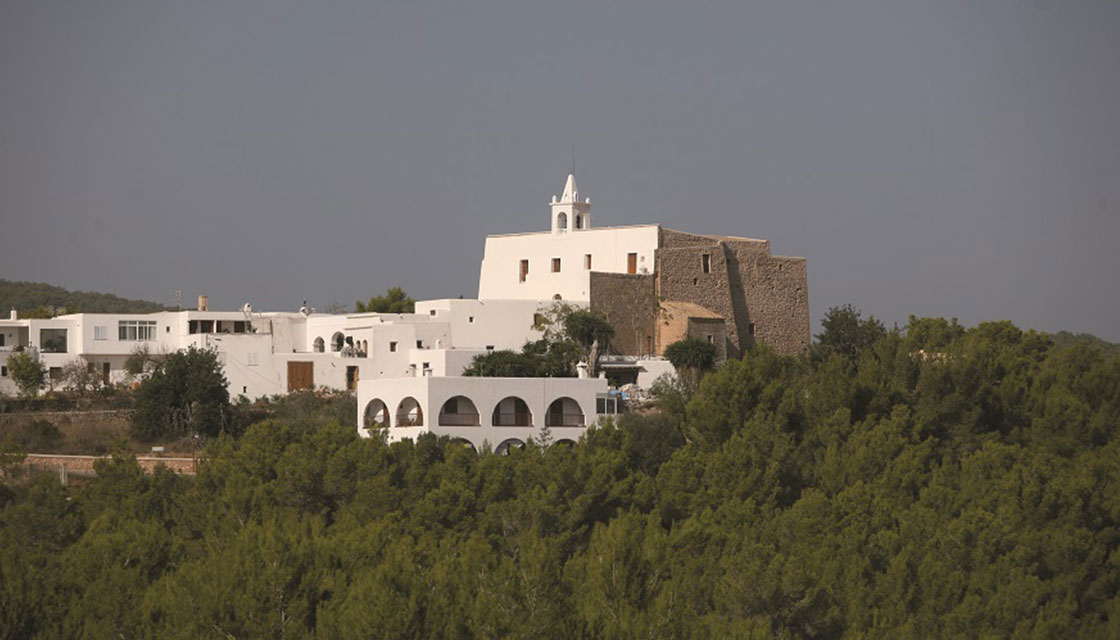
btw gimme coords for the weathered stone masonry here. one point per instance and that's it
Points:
(761, 297)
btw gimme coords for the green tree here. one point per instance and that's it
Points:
(27, 372)
(81, 376)
(187, 394)
(395, 300)
(591, 331)
(691, 357)
(502, 364)
(846, 334)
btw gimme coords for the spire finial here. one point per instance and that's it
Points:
(573, 159)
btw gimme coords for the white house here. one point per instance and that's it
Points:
(500, 412)
(655, 285)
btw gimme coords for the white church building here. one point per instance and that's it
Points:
(653, 284)
(406, 369)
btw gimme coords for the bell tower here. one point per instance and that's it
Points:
(568, 212)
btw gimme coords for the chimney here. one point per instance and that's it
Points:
(15, 315)
(203, 303)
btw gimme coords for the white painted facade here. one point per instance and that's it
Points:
(255, 348)
(494, 412)
(416, 359)
(557, 264)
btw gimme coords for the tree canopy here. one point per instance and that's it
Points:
(27, 372)
(395, 300)
(185, 395)
(41, 300)
(956, 483)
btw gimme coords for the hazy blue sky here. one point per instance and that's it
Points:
(951, 158)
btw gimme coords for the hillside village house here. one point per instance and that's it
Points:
(655, 286)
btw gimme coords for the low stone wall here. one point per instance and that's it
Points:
(84, 464)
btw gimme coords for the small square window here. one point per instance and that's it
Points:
(393, 347)
(556, 265)
(711, 339)
(101, 333)
(419, 344)
(431, 312)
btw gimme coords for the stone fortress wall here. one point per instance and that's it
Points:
(761, 297)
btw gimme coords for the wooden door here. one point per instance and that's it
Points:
(631, 263)
(301, 375)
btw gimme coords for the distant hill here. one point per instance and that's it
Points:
(39, 300)
(1065, 339)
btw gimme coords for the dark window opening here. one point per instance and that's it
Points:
(523, 271)
(706, 263)
(556, 265)
(587, 261)
(392, 347)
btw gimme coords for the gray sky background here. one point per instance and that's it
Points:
(949, 158)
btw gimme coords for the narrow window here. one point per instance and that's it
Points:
(706, 263)
(3, 372)
(579, 221)
(556, 265)
(711, 339)
(523, 271)
(419, 344)
(99, 333)
(470, 319)
(393, 347)
(587, 261)
(631, 263)
(751, 329)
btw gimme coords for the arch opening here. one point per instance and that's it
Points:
(509, 445)
(375, 416)
(459, 411)
(564, 412)
(562, 221)
(511, 412)
(410, 413)
(466, 444)
(319, 345)
(338, 341)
